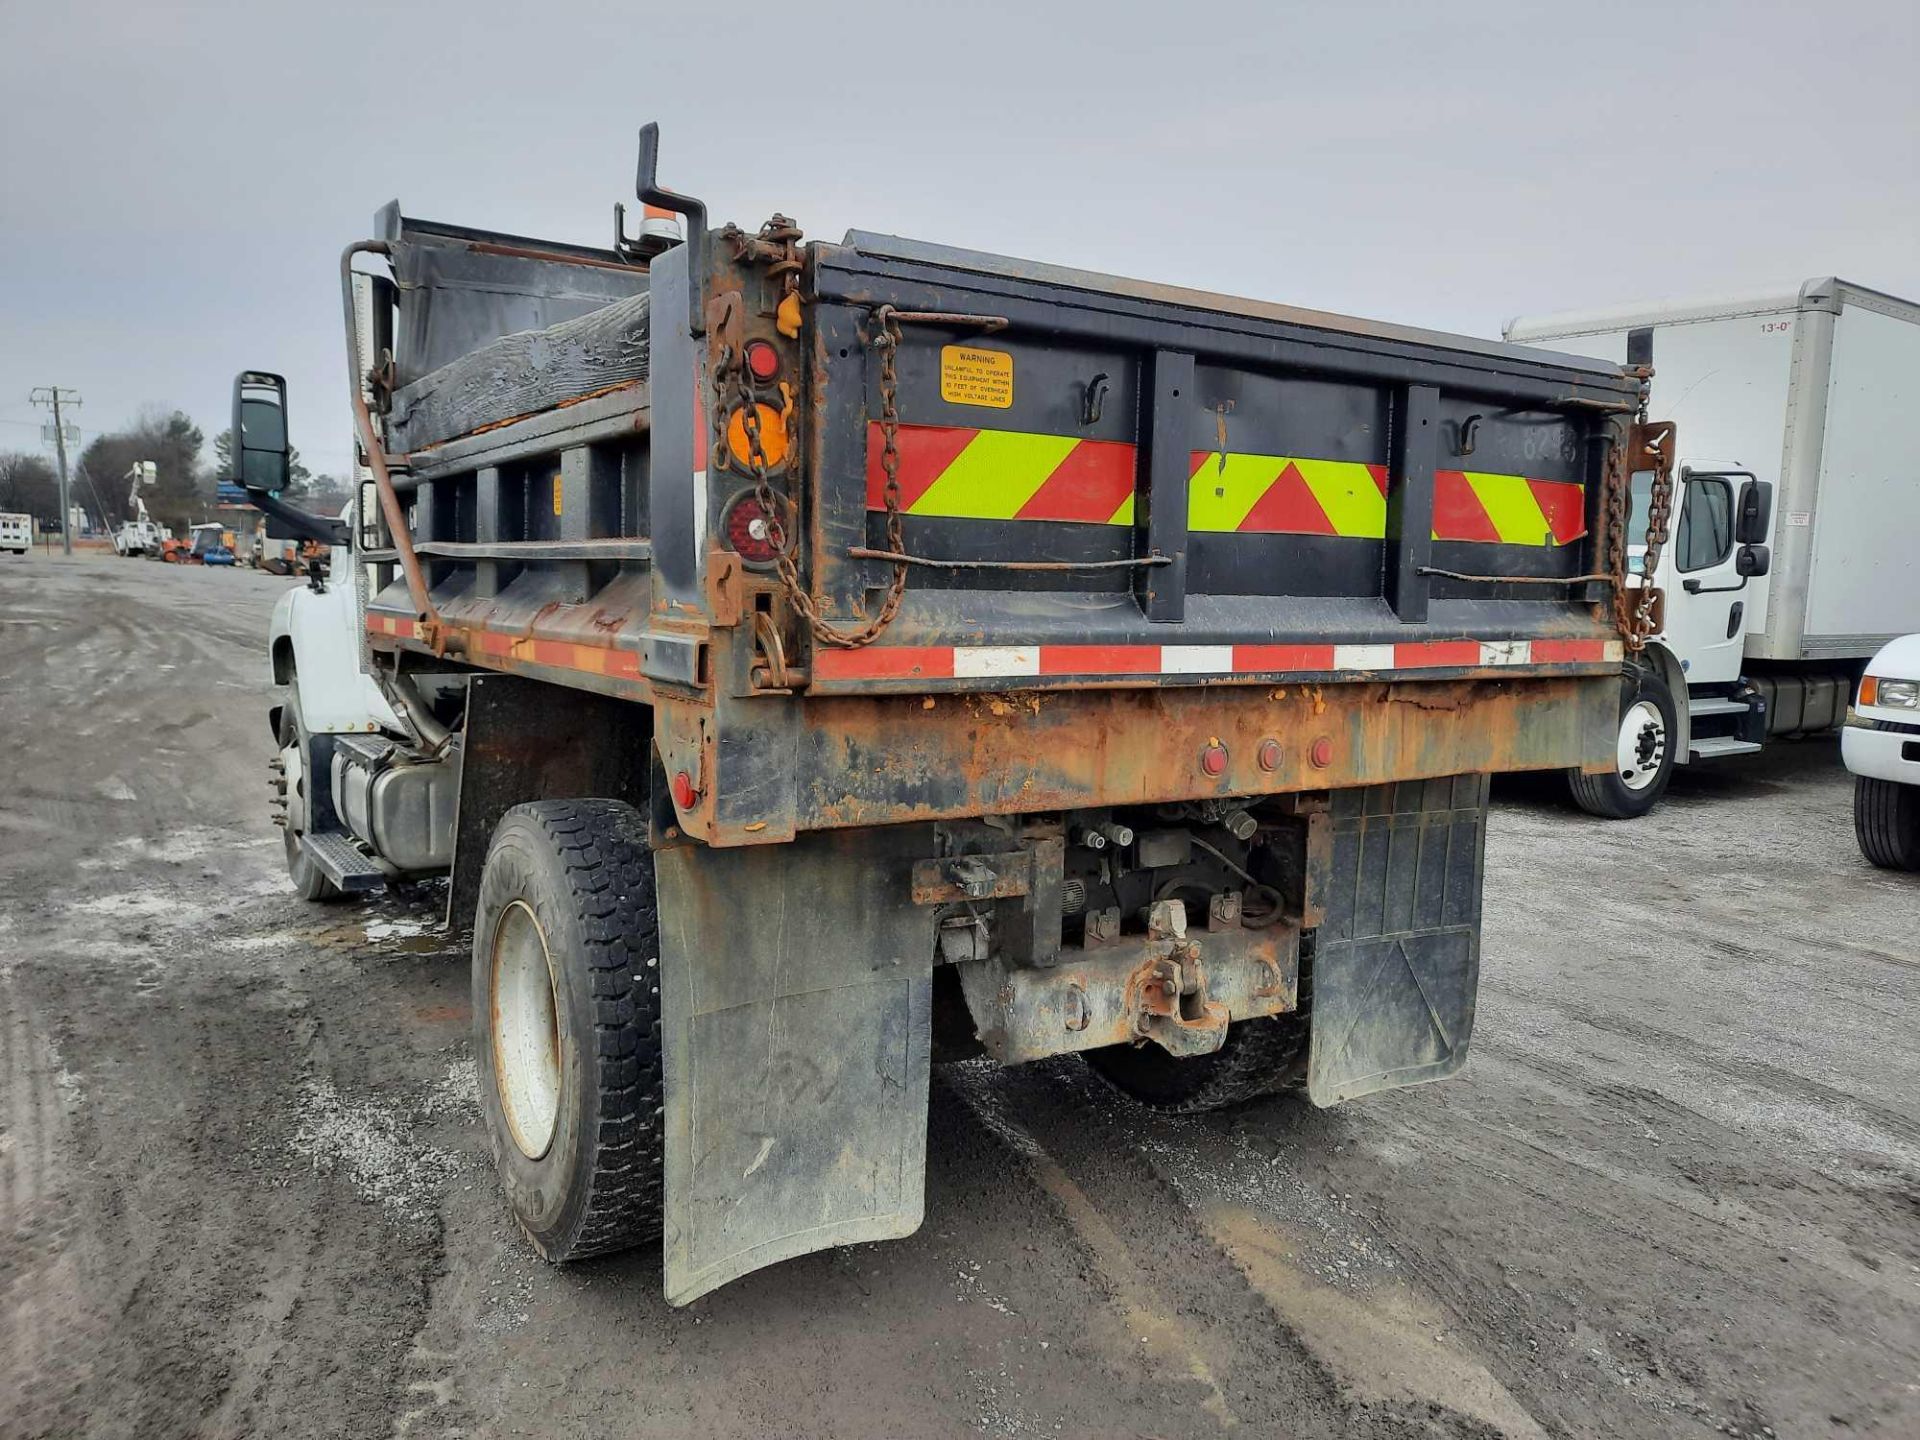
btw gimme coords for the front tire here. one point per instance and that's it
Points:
(566, 1008)
(295, 761)
(1643, 753)
(1886, 822)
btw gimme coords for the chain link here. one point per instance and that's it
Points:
(1634, 607)
(776, 507)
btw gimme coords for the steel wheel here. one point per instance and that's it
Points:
(1642, 751)
(524, 1030)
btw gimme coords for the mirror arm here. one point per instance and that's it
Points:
(304, 523)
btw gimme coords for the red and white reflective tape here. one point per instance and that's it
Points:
(992, 662)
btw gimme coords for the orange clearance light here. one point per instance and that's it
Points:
(773, 437)
(1869, 690)
(763, 361)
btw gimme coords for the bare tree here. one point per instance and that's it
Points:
(28, 485)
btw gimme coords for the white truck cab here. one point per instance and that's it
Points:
(1881, 745)
(1795, 515)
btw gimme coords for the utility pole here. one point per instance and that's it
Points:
(55, 396)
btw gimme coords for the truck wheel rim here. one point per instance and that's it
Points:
(293, 774)
(1643, 744)
(525, 1027)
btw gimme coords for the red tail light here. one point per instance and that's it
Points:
(750, 532)
(763, 361)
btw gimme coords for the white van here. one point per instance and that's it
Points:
(16, 533)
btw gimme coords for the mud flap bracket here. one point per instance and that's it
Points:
(797, 989)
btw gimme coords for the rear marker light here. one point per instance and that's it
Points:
(1213, 759)
(683, 792)
(1269, 755)
(1322, 752)
(750, 533)
(763, 361)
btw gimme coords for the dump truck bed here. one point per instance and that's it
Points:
(1103, 485)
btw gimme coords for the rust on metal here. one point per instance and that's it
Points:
(1158, 988)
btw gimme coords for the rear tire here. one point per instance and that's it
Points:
(566, 1008)
(1886, 822)
(1259, 1057)
(1644, 753)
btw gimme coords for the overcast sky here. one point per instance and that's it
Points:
(177, 180)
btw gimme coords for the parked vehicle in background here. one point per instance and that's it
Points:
(1797, 520)
(209, 544)
(16, 533)
(1881, 745)
(142, 534)
(805, 657)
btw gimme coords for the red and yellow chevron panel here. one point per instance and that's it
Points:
(965, 473)
(972, 474)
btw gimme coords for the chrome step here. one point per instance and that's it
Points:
(1715, 746)
(1717, 705)
(343, 862)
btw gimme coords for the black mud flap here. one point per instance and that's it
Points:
(1396, 965)
(797, 991)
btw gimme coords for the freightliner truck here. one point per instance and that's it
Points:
(810, 660)
(1797, 516)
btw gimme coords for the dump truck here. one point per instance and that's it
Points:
(810, 660)
(1797, 515)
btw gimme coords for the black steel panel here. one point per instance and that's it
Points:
(1160, 519)
(1410, 467)
(671, 499)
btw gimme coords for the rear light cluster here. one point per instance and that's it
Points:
(746, 527)
(750, 532)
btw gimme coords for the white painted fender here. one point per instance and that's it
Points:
(315, 637)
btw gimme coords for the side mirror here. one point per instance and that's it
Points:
(1755, 516)
(260, 453)
(1752, 560)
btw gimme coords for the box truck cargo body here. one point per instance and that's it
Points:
(1797, 525)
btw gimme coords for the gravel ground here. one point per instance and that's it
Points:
(243, 1190)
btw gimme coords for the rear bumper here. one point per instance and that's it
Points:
(768, 770)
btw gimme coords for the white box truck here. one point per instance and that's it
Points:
(16, 533)
(1795, 537)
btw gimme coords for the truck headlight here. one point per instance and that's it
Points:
(1899, 694)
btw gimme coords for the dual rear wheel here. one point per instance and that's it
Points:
(566, 1004)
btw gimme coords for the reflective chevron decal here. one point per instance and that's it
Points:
(987, 662)
(974, 474)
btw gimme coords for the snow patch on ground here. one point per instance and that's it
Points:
(374, 1148)
(456, 1094)
(397, 929)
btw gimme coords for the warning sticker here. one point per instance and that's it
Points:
(972, 376)
(556, 494)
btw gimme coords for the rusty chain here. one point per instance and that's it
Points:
(775, 507)
(1636, 609)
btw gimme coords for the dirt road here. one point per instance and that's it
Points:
(243, 1191)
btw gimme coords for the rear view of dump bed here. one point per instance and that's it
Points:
(1100, 485)
(915, 651)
